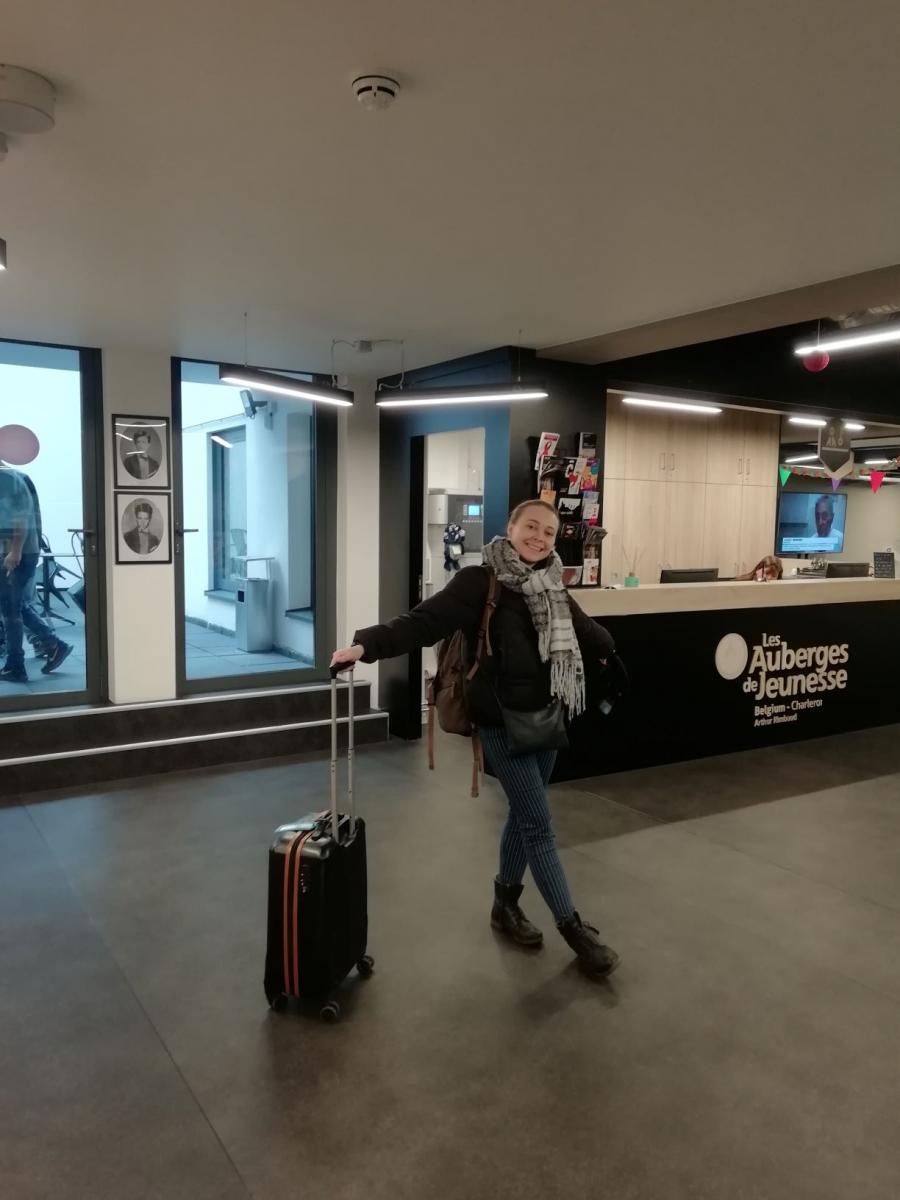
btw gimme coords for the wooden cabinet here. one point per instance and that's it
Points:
(757, 536)
(724, 461)
(722, 528)
(644, 527)
(616, 438)
(687, 447)
(612, 569)
(646, 443)
(683, 490)
(685, 505)
(761, 445)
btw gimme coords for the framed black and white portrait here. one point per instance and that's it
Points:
(143, 527)
(141, 452)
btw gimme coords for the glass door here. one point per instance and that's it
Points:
(247, 496)
(49, 500)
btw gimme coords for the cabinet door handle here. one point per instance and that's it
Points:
(740, 466)
(662, 461)
(671, 462)
(747, 472)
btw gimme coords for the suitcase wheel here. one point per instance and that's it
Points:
(366, 965)
(277, 1001)
(330, 1012)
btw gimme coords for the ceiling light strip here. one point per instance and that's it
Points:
(854, 341)
(679, 405)
(284, 385)
(430, 397)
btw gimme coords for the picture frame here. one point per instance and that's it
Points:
(142, 454)
(143, 528)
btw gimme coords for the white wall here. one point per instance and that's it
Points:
(140, 599)
(358, 519)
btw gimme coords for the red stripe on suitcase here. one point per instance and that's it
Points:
(285, 919)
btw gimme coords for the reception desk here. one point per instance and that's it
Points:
(718, 667)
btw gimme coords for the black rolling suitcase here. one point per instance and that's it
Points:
(318, 921)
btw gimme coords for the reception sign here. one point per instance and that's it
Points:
(713, 682)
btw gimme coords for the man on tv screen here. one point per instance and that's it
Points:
(825, 526)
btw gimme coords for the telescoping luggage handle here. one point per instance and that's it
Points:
(335, 671)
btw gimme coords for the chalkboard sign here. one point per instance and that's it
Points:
(884, 564)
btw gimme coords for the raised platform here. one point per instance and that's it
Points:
(78, 746)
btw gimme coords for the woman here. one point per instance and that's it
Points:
(766, 570)
(539, 641)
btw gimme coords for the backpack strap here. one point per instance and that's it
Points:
(477, 762)
(484, 628)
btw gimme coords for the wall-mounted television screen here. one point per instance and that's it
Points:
(811, 523)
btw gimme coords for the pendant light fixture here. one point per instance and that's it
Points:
(284, 385)
(498, 393)
(503, 393)
(885, 334)
(281, 385)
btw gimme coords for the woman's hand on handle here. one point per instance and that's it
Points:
(343, 660)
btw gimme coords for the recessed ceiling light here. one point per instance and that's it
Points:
(803, 458)
(816, 422)
(854, 426)
(2, 254)
(876, 462)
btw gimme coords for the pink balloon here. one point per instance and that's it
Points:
(816, 360)
(18, 445)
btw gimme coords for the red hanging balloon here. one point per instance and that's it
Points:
(816, 360)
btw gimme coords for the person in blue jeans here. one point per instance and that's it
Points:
(19, 554)
(539, 641)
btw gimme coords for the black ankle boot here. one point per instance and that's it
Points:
(509, 918)
(593, 957)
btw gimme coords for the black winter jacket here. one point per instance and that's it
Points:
(514, 670)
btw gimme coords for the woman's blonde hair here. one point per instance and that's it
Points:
(520, 508)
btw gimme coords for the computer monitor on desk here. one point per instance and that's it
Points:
(689, 575)
(835, 570)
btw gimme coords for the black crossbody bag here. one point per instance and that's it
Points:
(531, 732)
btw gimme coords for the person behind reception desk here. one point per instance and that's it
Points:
(765, 571)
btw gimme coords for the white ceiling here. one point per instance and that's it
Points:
(565, 168)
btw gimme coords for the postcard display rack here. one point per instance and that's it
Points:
(571, 483)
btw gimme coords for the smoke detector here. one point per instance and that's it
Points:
(27, 101)
(375, 92)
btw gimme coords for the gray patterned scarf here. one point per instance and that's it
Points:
(548, 604)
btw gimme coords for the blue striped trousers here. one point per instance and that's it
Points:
(528, 836)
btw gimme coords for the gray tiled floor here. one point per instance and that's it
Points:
(69, 677)
(746, 1048)
(213, 655)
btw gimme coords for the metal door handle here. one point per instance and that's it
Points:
(662, 461)
(181, 531)
(84, 532)
(747, 472)
(740, 466)
(671, 462)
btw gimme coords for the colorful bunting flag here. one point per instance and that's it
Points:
(876, 479)
(835, 484)
(785, 473)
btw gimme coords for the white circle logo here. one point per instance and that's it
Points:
(731, 656)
